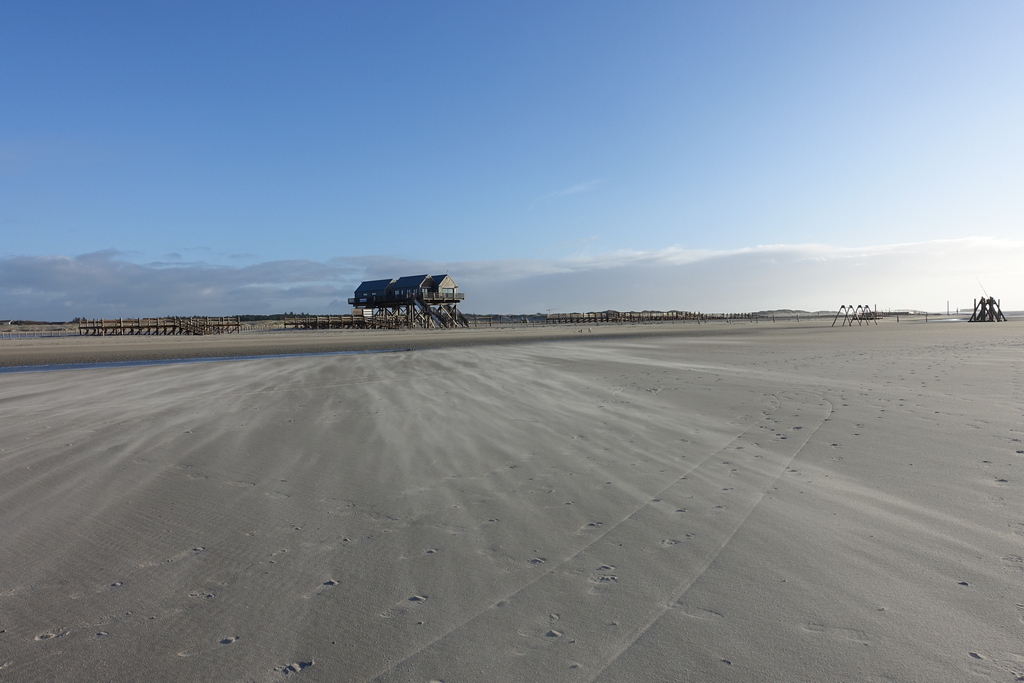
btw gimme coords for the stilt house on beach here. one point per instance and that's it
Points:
(411, 301)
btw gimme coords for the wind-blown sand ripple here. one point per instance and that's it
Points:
(797, 503)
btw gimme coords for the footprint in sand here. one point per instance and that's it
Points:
(294, 668)
(700, 612)
(325, 586)
(852, 635)
(399, 611)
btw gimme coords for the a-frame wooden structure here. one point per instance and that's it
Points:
(862, 314)
(987, 310)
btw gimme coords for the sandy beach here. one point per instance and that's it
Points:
(723, 502)
(114, 349)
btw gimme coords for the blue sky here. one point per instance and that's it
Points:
(275, 153)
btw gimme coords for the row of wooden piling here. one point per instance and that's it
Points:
(195, 325)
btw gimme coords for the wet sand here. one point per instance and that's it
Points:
(724, 503)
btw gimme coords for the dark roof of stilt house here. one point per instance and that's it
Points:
(438, 279)
(405, 289)
(374, 285)
(404, 282)
(411, 281)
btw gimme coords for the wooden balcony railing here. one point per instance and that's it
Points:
(429, 297)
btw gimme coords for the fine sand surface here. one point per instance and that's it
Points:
(724, 503)
(67, 350)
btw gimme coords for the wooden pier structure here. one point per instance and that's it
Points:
(596, 317)
(413, 301)
(369, 319)
(356, 320)
(612, 318)
(158, 326)
(422, 311)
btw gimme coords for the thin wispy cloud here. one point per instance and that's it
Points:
(575, 189)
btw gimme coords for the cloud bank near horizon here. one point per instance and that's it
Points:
(922, 275)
